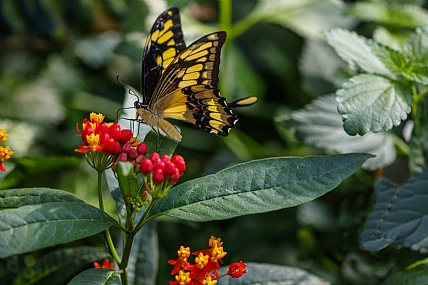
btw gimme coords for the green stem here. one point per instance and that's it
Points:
(225, 17)
(401, 145)
(244, 24)
(143, 220)
(107, 232)
(417, 98)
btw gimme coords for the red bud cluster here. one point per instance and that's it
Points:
(163, 168)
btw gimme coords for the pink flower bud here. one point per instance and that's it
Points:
(125, 135)
(146, 166)
(158, 176)
(142, 148)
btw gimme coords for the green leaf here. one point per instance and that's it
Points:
(161, 144)
(407, 15)
(418, 156)
(318, 65)
(58, 266)
(144, 259)
(320, 125)
(410, 276)
(96, 276)
(256, 187)
(391, 38)
(44, 222)
(16, 198)
(399, 63)
(307, 18)
(127, 179)
(355, 50)
(400, 216)
(372, 103)
(263, 273)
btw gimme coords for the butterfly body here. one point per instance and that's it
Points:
(182, 83)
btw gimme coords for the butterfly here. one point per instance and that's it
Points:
(182, 83)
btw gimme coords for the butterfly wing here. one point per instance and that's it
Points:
(164, 43)
(188, 89)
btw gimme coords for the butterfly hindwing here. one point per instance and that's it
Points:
(164, 43)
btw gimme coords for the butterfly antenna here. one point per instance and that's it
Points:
(130, 91)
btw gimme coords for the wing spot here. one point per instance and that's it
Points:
(190, 76)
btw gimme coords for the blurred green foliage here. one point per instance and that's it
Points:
(60, 60)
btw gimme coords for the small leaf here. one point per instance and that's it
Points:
(307, 18)
(320, 125)
(263, 273)
(60, 265)
(96, 276)
(33, 227)
(410, 16)
(161, 144)
(354, 49)
(400, 216)
(410, 276)
(399, 63)
(127, 179)
(144, 258)
(372, 103)
(256, 187)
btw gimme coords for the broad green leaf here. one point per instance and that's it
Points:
(415, 275)
(96, 276)
(402, 64)
(264, 273)
(35, 226)
(256, 187)
(418, 156)
(58, 266)
(16, 198)
(144, 259)
(321, 126)
(372, 103)
(306, 17)
(407, 15)
(400, 216)
(355, 50)
(127, 179)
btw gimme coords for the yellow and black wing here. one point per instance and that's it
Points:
(164, 43)
(188, 89)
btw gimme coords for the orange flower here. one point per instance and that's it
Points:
(237, 269)
(106, 264)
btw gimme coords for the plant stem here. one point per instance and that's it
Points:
(417, 98)
(110, 243)
(225, 17)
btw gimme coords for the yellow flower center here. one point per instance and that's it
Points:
(93, 140)
(94, 117)
(183, 278)
(201, 260)
(208, 281)
(3, 135)
(5, 153)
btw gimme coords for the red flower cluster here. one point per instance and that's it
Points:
(206, 265)
(100, 136)
(106, 264)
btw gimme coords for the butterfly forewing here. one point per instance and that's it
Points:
(164, 43)
(188, 88)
